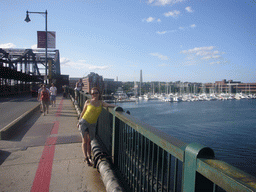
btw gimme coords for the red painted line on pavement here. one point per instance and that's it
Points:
(59, 108)
(44, 171)
(55, 128)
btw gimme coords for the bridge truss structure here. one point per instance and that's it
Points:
(22, 70)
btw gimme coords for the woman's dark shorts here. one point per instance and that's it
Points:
(84, 126)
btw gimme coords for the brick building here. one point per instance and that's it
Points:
(231, 86)
(93, 80)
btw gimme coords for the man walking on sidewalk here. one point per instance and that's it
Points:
(53, 91)
(45, 99)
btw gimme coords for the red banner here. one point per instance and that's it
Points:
(41, 39)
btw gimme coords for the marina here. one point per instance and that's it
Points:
(122, 97)
(196, 97)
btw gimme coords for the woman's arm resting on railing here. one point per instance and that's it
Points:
(104, 104)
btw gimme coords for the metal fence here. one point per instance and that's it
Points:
(151, 160)
(148, 159)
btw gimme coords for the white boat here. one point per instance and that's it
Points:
(133, 98)
(177, 99)
(140, 98)
(169, 99)
(120, 95)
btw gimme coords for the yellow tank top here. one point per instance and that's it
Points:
(92, 113)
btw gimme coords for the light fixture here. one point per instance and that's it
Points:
(27, 18)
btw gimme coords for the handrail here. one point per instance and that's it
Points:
(220, 175)
(171, 144)
(226, 176)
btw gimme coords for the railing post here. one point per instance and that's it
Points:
(80, 95)
(190, 177)
(115, 127)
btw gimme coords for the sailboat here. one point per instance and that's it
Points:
(140, 97)
(135, 98)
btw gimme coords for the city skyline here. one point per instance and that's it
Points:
(188, 41)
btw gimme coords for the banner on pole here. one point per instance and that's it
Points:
(51, 39)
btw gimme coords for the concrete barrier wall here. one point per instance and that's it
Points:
(10, 129)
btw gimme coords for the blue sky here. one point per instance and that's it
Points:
(169, 40)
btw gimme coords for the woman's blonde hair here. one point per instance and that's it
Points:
(96, 88)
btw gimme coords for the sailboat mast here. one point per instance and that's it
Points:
(140, 80)
(159, 88)
(153, 89)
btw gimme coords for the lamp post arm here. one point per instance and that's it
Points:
(38, 12)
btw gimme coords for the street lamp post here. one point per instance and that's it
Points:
(27, 19)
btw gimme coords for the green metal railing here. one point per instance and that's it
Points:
(151, 160)
(81, 97)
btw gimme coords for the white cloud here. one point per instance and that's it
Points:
(162, 57)
(189, 9)
(187, 27)
(197, 49)
(95, 67)
(164, 32)
(150, 19)
(161, 33)
(172, 31)
(173, 14)
(193, 25)
(7, 45)
(211, 57)
(11, 45)
(199, 54)
(34, 46)
(163, 2)
(81, 65)
(215, 62)
(64, 61)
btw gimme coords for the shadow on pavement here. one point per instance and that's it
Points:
(3, 156)
(24, 128)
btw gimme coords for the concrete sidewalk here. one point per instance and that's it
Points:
(46, 155)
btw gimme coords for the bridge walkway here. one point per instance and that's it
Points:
(45, 154)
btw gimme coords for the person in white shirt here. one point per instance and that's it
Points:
(79, 86)
(53, 91)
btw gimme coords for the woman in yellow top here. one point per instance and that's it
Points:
(88, 119)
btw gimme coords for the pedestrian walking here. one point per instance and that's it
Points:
(65, 91)
(45, 99)
(53, 91)
(39, 97)
(88, 119)
(79, 86)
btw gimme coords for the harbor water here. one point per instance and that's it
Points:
(228, 127)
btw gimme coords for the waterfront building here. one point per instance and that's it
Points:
(72, 81)
(110, 86)
(230, 86)
(93, 80)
